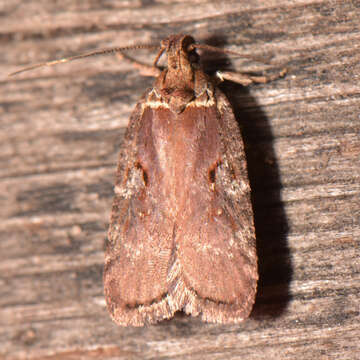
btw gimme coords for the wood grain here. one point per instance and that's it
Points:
(60, 132)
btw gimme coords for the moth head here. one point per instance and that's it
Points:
(179, 49)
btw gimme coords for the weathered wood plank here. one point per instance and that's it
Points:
(60, 132)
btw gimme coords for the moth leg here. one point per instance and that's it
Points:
(144, 69)
(245, 79)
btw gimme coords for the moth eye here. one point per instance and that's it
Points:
(193, 57)
(144, 173)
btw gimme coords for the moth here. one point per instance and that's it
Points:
(181, 234)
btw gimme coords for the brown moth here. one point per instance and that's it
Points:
(181, 233)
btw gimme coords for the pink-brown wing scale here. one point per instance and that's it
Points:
(215, 233)
(140, 247)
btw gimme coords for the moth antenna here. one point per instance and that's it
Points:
(230, 52)
(82, 56)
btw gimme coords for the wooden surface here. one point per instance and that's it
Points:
(60, 133)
